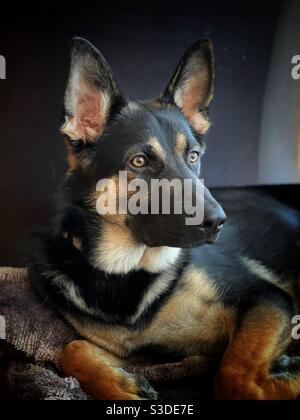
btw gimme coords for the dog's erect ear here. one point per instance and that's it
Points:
(191, 87)
(91, 94)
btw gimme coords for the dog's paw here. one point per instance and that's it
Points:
(259, 385)
(286, 366)
(99, 376)
(143, 389)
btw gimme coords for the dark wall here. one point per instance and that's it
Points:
(143, 41)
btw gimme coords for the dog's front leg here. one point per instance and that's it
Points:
(101, 375)
(254, 366)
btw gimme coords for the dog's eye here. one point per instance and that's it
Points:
(194, 157)
(139, 161)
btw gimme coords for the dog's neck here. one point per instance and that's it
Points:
(117, 252)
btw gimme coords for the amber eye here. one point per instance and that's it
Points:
(194, 157)
(139, 161)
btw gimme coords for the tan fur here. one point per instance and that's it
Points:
(244, 372)
(200, 123)
(97, 373)
(190, 109)
(77, 243)
(188, 98)
(116, 218)
(71, 159)
(157, 148)
(193, 320)
(116, 340)
(158, 103)
(117, 251)
(181, 144)
(156, 260)
(263, 272)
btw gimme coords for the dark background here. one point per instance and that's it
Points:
(143, 41)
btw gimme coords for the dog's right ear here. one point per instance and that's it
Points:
(91, 97)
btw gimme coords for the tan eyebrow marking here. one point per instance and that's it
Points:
(157, 148)
(181, 144)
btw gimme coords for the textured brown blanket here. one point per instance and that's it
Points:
(32, 337)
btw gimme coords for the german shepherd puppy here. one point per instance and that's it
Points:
(132, 283)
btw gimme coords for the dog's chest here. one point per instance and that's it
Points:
(193, 320)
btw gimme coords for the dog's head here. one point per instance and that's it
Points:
(154, 140)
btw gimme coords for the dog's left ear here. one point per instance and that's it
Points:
(192, 85)
(91, 94)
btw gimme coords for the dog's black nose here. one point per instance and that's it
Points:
(214, 224)
(214, 215)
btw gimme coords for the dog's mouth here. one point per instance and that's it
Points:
(214, 236)
(213, 239)
(179, 240)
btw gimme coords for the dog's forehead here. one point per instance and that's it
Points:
(139, 122)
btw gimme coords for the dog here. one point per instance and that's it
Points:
(147, 283)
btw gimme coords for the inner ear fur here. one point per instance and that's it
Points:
(192, 86)
(91, 93)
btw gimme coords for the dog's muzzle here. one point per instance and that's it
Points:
(172, 230)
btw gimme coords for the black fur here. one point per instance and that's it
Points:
(116, 296)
